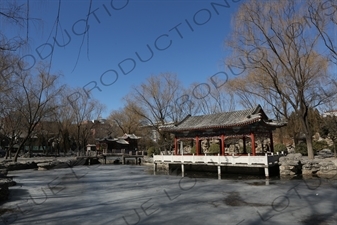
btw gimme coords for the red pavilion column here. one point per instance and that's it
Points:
(222, 144)
(175, 146)
(252, 137)
(271, 141)
(197, 148)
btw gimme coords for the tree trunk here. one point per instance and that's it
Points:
(308, 136)
(19, 148)
(17, 152)
(78, 140)
(9, 149)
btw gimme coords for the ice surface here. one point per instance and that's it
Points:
(128, 194)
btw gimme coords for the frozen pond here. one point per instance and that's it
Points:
(126, 194)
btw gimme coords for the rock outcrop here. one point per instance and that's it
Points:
(10, 166)
(5, 183)
(290, 164)
(295, 164)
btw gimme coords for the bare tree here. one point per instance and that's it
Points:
(11, 124)
(17, 16)
(11, 127)
(212, 97)
(84, 110)
(280, 53)
(34, 97)
(323, 16)
(156, 99)
(64, 118)
(159, 101)
(127, 119)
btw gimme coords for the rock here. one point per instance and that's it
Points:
(285, 172)
(291, 150)
(297, 156)
(4, 191)
(7, 181)
(330, 173)
(294, 156)
(293, 163)
(325, 163)
(283, 159)
(306, 167)
(52, 165)
(306, 172)
(3, 173)
(20, 166)
(325, 153)
(44, 166)
(334, 161)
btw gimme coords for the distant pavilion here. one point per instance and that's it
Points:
(244, 124)
(129, 142)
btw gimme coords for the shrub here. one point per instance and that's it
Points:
(316, 146)
(193, 150)
(153, 151)
(301, 148)
(248, 149)
(214, 149)
(280, 147)
(319, 145)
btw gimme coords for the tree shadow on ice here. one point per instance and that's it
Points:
(319, 219)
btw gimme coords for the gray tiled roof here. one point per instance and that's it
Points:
(218, 120)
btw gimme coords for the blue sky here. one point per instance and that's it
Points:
(193, 33)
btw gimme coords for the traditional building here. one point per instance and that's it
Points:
(128, 142)
(247, 125)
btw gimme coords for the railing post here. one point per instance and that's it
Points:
(249, 163)
(218, 159)
(205, 159)
(233, 159)
(171, 157)
(193, 158)
(162, 157)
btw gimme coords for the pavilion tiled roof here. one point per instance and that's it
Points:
(131, 136)
(222, 120)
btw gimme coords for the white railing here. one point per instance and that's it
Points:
(218, 160)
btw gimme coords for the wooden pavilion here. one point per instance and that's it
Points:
(128, 142)
(247, 125)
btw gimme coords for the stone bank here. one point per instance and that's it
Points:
(296, 164)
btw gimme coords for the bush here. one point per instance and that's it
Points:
(248, 149)
(301, 148)
(280, 147)
(214, 149)
(193, 150)
(153, 151)
(316, 146)
(319, 145)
